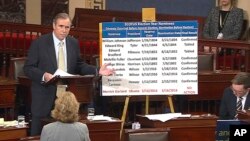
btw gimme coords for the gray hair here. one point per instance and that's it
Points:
(61, 16)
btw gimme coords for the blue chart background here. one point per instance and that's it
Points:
(122, 29)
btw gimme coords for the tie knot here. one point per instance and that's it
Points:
(240, 98)
(61, 44)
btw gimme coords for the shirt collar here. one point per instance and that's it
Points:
(56, 40)
(245, 96)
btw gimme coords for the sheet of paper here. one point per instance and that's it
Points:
(163, 117)
(101, 117)
(185, 115)
(10, 123)
(62, 73)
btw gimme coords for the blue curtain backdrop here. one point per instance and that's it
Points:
(177, 7)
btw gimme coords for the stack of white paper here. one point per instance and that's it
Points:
(101, 117)
(166, 117)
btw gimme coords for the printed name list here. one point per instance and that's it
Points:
(150, 58)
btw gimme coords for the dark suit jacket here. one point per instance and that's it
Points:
(228, 104)
(232, 28)
(42, 58)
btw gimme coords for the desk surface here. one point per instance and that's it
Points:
(12, 133)
(179, 122)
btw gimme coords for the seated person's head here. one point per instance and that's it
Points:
(241, 84)
(66, 108)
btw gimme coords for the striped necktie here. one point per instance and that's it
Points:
(238, 106)
(61, 59)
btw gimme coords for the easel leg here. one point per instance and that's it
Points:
(171, 105)
(147, 105)
(124, 113)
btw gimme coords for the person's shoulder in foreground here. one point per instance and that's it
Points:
(76, 131)
(66, 127)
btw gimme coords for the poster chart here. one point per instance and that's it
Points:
(150, 58)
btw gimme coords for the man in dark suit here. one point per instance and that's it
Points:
(238, 92)
(42, 63)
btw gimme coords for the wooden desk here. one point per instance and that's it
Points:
(147, 133)
(104, 130)
(185, 129)
(12, 133)
(7, 95)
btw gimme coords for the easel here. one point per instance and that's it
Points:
(148, 15)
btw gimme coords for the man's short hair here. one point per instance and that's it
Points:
(61, 16)
(242, 78)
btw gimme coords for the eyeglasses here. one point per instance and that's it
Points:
(238, 92)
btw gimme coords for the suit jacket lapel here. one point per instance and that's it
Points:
(51, 51)
(234, 102)
(69, 54)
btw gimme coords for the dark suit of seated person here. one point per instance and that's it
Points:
(238, 90)
(66, 128)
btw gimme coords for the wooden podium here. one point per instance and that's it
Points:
(81, 86)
